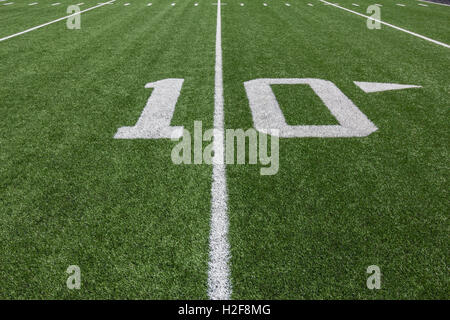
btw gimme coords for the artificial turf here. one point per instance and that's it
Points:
(138, 225)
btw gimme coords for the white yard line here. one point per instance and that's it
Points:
(389, 25)
(219, 286)
(54, 21)
(33, 4)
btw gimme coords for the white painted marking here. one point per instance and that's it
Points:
(400, 5)
(242, 4)
(219, 286)
(355, 4)
(423, 5)
(154, 122)
(80, 4)
(267, 115)
(33, 4)
(310, 4)
(149, 4)
(51, 22)
(390, 25)
(288, 5)
(379, 5)
(196, 4)
(173, 4)
(440, 4)
(127, 4)
(7, 4)
(369, 87)
(265, 4)
(57, 4)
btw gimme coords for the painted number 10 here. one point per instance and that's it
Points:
(154, 122)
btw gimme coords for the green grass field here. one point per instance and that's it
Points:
(138, 225)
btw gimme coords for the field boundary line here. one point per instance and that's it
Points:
(54, 21)
(388, 24)
(441, 4)
(219, 287)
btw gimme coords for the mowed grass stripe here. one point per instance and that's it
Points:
(136, 224)
(339, 205)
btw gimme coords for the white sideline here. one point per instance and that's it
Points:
(54, 21)
(219, 287)
(389, 25)
(441, 4)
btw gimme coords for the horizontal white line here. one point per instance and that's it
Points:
(390, 25)
(54, 21)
